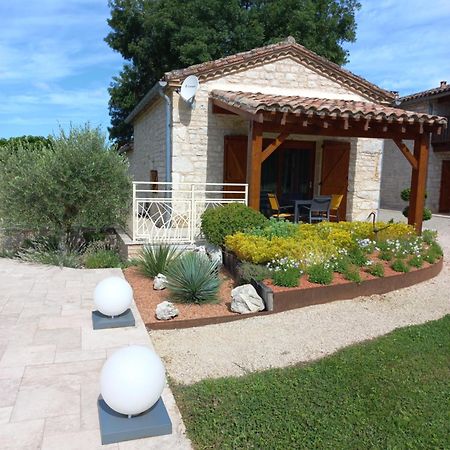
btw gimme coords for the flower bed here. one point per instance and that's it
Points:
(290, 265)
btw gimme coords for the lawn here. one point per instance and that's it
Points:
(393, 392)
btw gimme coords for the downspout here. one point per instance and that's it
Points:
(168, 108)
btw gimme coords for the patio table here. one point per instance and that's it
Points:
(299, 203)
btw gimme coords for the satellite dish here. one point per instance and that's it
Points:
(189, 88)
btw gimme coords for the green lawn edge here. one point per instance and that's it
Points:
(389, 393)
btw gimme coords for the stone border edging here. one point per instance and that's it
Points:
(298, 298)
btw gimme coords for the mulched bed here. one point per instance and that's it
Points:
(147, 298)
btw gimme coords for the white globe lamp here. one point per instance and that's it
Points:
(132, 380)
(113, 296)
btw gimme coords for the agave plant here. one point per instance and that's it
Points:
(193, 278)
(156, 259)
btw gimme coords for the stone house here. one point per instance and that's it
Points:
(396, 172)
(282, 119)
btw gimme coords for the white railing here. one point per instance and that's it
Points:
(171, 212)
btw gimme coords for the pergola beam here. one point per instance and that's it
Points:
(275, 144)
(407, 154)
(418, 183)
(254, 163)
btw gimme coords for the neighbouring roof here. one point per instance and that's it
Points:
(289, 47)
(254, 103)
(444, 88)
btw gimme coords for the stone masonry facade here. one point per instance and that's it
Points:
(396, 170)
(198, 134)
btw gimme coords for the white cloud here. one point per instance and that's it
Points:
(402, 45)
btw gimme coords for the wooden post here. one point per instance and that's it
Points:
(254, 162)
(418, 182)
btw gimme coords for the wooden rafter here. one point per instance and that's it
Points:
(275, 144)
(407, 154)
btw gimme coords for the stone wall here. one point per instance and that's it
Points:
(364, 178)
(198, 134)
(396, 175)
(149, 143)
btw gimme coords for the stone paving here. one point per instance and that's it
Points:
(50, 361)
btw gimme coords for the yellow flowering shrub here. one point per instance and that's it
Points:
(310, 244)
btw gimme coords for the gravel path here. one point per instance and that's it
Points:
(304, 334)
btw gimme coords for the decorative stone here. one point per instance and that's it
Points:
(166, 311)
(246, 300)
(214, 253)
(200, 249)
(159, 282)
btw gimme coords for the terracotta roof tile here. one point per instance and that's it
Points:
(442, 89)
(257, 102)
(240, 61)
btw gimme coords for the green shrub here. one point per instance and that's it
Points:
(286, 277)
(45, 250)
(217, 223)
(436, 249)
(406, 193)
(193, 278)
(42, 255)
(320, 274)
(352, 274)
(416, 261)
(400, 266)
(433, 253)
(357, 256)
(276, 228)
(427, 214)
(341, 264)
(156, 259)
(102, 259)
(249, 271)
(385, 255)
(377, 270)
(77, 182)
(429, 236)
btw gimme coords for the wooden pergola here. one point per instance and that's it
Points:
(335, 118)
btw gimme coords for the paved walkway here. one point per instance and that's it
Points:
(50, 361)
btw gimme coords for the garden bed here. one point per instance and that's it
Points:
(190, 315)
(284, 299)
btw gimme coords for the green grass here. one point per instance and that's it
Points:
(390, 393)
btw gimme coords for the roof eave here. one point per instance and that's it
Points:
(148, 99)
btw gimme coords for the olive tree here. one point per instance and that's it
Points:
(74, 181)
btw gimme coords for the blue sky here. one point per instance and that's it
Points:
(55, 68)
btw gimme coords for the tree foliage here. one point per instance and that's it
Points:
(156, 36)
(72, 182)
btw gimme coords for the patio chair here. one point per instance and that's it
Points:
(336, 200)
(279, 212)
(319, 210)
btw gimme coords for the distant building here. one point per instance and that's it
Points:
(396, 172)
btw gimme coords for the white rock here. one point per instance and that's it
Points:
(166, 311)
(214, 253)
(159, 282)
(200, 249)
(246, 300)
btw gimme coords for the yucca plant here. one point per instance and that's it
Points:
(156, 259)
(193, 278)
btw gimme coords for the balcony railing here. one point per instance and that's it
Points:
(170, 212)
